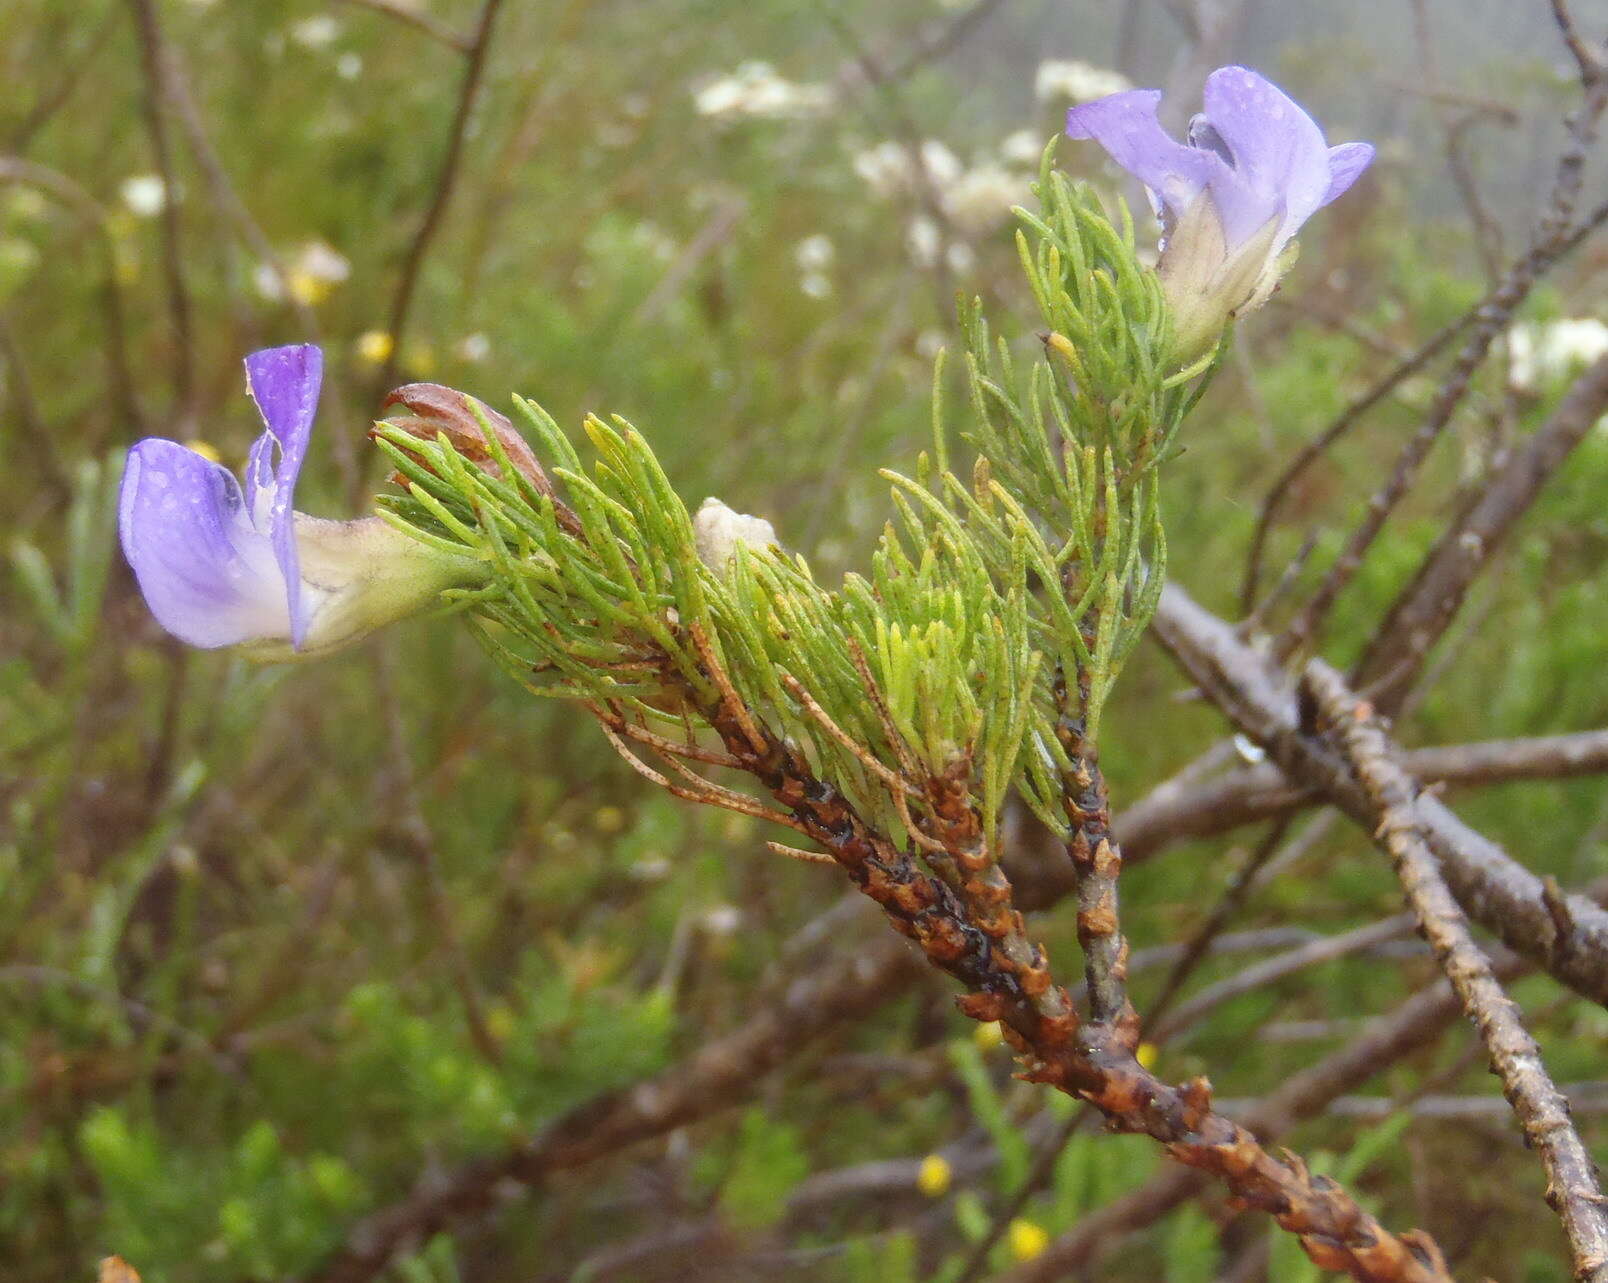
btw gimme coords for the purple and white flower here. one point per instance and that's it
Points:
(1232, 198)
(224, 565)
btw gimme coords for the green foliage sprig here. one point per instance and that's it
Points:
(985, 603)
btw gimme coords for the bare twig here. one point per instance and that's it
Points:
(1542, 1110)
(55, 97)
(1553, 238)
(1277, 968)
(475, 57)
(1313, 450)
(1589, 58)
(153, 54)
(1421, 612)
(1496, 891)
(1416, 1024)
(1169, 815)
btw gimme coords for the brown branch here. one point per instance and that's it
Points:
(1542, 1110)
(55, 97)
(1425, 607)
(1093, 1062)
(1096, 864)
(1593, 62)
(1503, 896)
(1416, 1024)
(446, 181)
(1326, 949)
(1313, 450)
(153, 54)
(1167, 815)
(1553, 238)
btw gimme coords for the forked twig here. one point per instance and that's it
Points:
(1542, 1110)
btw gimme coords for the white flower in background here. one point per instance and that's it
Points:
(922, 239)
(319, 260)
(889, 169)
(815, 253)
(981, 199)
(473, 348)
(1541, 351)
(1068, 79)
(1024, 147)
(144, 194)
(655, 240)
(815, 285)
(722, 919)
(317, 32)
(756, 90)
(883, 168)
(311, 275)
(349, 66)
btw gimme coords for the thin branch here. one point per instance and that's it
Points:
(1167, 815)
(1592, 60)
(1542, 1110)
(1277, 968)
(1423, 609)
(1553, 238)
(1315, 449)
(1416, 1024)
(1503, 896)
(55, 97)
(475, 57)
(153, 54)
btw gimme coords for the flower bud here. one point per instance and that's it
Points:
(718, 530)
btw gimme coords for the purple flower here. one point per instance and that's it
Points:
(1231, 199)
(222, 565)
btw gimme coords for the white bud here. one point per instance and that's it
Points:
(717, 531)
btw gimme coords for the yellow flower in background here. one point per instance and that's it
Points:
(307, 289)
(375, 346)
(934, 1175)
(205, 449)
(420, 358)
(1027, 1239)
(1147, 1055)
(988, 1036)
(501, 1023)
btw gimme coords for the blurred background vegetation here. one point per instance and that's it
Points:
(274, 943)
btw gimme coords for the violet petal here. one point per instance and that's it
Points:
(1125, 124)
(1346, 163)
(284, 382)
(206, 572)
(1279, 152)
